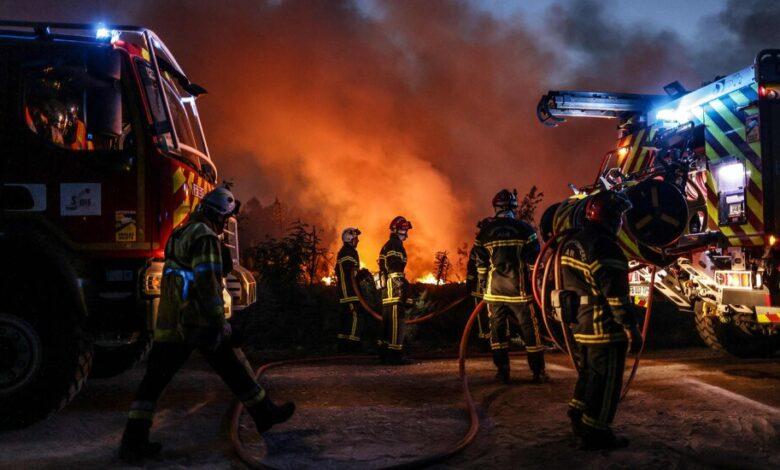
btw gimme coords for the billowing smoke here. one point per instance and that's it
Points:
(422, 109)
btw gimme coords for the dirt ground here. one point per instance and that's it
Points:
(689, 408)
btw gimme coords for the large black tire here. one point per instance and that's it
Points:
(732, 339)
(46, 350)
(110, 361)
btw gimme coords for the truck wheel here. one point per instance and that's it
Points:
(111, 360)
(45, 350)
(733, 339)
(43, 365)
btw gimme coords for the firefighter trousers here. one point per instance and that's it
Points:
(166, 359)
(499, 314)
(352, 322)
(600, 380)
(393, 327)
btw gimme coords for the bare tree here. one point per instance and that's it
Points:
(442, 265)
(527, 208)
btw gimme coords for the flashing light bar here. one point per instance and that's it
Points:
(104, 33)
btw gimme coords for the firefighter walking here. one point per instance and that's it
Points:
(595, 269)
(505, 249)
(353, 317)
(395, 293)
(190, 317)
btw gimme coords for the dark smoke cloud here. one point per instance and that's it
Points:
(731, 39)
(424, 109)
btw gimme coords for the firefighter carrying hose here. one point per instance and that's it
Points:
(595, 270)
(353, 317)
(475, 287)
(395, 293)
(505, 249)
(191, 316)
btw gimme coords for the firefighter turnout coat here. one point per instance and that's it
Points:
(504, 250)
(594, 266)
(191, 307)
(347, 264)
(392, 263)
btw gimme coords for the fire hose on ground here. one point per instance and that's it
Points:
(256, 461)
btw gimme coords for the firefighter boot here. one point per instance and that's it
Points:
(501, 360)
(601, 439)
(575, 416)
(265, 414)
(135, 446)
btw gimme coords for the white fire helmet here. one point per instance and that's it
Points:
(349, 234)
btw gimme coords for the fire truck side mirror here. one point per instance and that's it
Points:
(16, 198)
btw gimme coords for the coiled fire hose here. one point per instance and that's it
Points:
(410, 321)
(541, 299)
(256, 461)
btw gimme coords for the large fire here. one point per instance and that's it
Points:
(429, 279)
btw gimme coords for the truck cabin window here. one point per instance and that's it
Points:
(69, 106)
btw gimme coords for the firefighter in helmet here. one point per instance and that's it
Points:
(595, 269)
(395, 292)
(353, 317)
(505, 249)
(191, 316)
(475, 287)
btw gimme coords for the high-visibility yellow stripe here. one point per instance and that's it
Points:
(500, 243)
(507, 299)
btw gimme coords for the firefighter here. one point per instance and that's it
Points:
(505, 249)
(475, 287)
(191, 316)
(595, 269)
(395, 293)
(353, 317)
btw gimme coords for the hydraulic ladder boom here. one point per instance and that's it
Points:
(555, 106)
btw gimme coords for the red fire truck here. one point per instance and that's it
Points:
(701, 168)
(103, 156)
